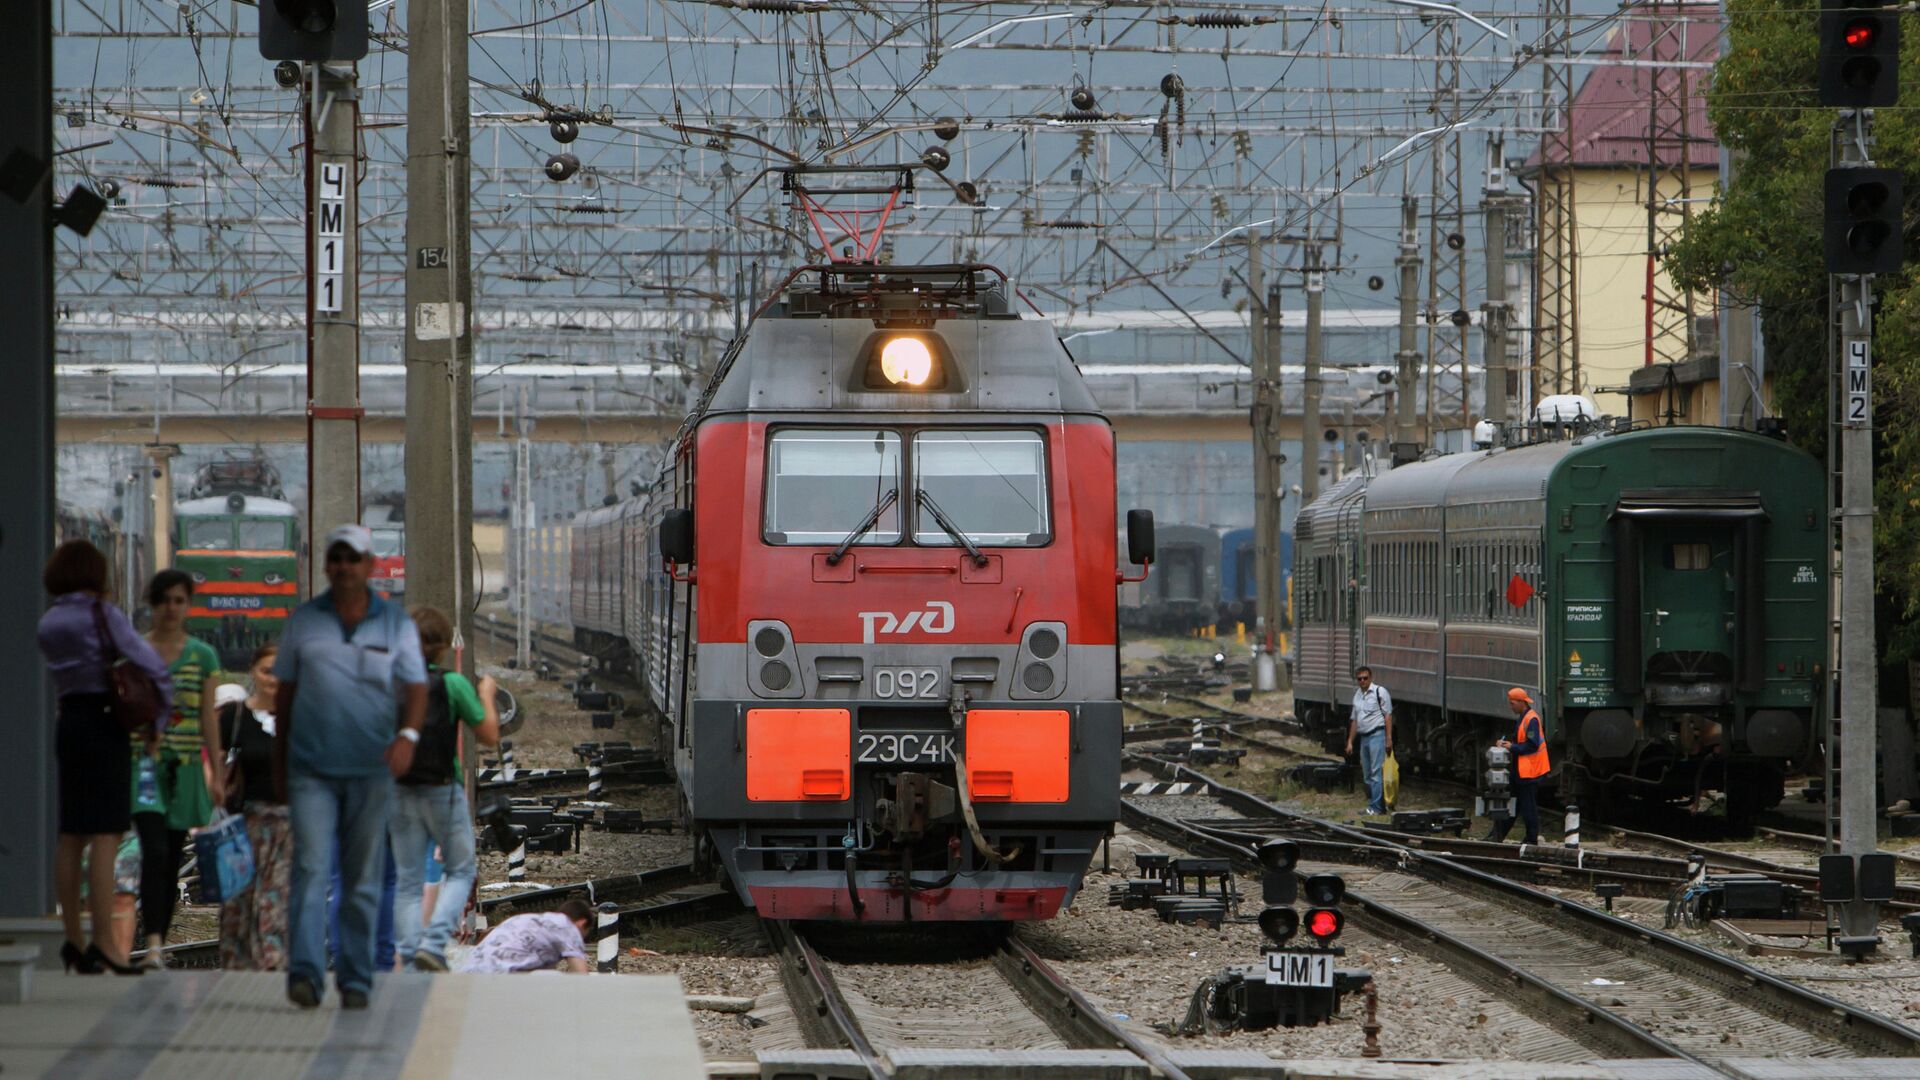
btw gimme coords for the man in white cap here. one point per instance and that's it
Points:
(352, 699)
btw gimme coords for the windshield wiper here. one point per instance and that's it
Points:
(866, 523)
(942, 520)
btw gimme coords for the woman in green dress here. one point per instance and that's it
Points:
(177, 776)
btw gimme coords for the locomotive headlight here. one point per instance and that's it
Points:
(906, 360)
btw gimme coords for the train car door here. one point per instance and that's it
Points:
(1687, 610)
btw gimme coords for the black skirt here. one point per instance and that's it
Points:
(96, 767)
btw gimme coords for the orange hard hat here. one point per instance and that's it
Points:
(1517, 694)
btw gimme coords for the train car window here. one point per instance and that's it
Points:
(991, 484)
(822, 483)
(263, 535)
(215, 534)
(1689, 557)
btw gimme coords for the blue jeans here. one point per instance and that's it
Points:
(425, 815)
(383, 927)
(1373, 752)
(353, 813)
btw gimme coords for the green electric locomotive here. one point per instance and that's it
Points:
(1661, 592)
(240, 541)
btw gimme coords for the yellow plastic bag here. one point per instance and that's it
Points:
(1390, 781)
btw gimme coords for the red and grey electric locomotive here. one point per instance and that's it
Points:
(872, 593)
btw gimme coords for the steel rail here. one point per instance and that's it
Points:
(822, 1011)
(1906, 894)
(1511, 864)
(1068, 1011)
(1787, 1002)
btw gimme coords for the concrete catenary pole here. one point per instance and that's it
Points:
(1272, 587)
(1406, 359)
(1266, 541)
(1859, 665)
(1495, 311)
(439, 315)
(26, 444)
(333, 308)
(523, 526)
(1310, 441)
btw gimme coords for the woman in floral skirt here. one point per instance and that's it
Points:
(253, 925)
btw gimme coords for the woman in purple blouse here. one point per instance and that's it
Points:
(96, 773)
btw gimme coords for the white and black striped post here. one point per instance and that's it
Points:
(1573, 826)
(594, 783)
(517, 858)
(1696, 869)
(1193, 752)
(606, 935)
(506, 760)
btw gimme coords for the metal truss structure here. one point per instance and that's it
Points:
(1198, 121)
(1555, 333)
(1671, 310)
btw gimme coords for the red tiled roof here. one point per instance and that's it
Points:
(1611, 106)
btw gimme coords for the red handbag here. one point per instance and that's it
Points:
(136, 699)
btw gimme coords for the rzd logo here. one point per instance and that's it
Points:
(937, 618)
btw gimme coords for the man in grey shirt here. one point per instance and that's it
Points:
(1372, 725)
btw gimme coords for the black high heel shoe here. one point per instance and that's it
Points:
(76, 961)
(98, 958)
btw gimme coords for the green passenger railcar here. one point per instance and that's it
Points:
(1663, 592)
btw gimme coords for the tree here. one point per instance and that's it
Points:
(1760, 242)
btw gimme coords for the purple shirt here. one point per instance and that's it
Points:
(70, 640)
(532, 942)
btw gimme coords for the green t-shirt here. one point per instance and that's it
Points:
(464, 701)
(184, 797)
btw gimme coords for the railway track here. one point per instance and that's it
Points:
(1622, 989)
(1009, 1000)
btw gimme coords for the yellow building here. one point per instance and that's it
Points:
(1621, 118)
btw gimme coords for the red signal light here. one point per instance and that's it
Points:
(1860, 33)
(1323, 923)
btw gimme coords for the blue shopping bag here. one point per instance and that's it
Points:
(225, 856)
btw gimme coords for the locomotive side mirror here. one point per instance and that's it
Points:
(676, 536)
(1139, 537)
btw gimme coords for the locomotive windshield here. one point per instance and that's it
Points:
(263, 535)
(213, 534)
(822, 483)
(992, 484)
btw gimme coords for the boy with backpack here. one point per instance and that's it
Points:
(430, 800)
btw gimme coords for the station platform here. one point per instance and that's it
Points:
(201, 1024)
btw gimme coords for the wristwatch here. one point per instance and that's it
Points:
(410, 735)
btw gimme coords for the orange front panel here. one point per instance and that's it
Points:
(1018, 755)
(799, 755)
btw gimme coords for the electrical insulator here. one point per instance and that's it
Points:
(564, 131)
(562, 167)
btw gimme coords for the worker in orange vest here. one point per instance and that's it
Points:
(1529, 746)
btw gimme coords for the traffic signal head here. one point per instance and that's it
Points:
(1324, 924)
(1325, 890)
(1279, 924)
(1279, 855)
(315, 31)
(1277, 860)
(1864, 232)
(1859, 55)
